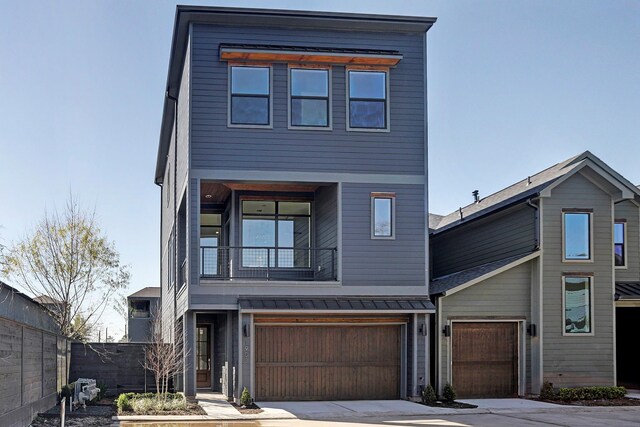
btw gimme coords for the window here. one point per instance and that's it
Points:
(210, 233)
(139, 309)
(577, 236)
(250, 90)
(309, 100)
(367, 99)
(577, 305)
(383, 215)
(276, 233)
(619, 234)
(171, 256)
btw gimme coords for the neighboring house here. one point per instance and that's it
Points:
(143, 307)
(33, 358)
(293, 167)
(524, 282)
(55, 307)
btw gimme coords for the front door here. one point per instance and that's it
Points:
(203, 356)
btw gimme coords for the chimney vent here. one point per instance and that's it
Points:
(476, 196)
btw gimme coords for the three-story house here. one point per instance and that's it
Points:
(293, 168)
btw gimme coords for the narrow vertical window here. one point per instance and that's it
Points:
(619, 251)
(250, 92)
(577, 305)
(383, 216)
(577, 236)
(171, 258)
(309, 103)
(367, 99)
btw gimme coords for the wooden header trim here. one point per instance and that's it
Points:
(577, 210)
(367, 68)
(309, 57)
(304, 188)
(389, 195)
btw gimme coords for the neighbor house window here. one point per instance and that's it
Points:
(250, 93)
(383, 215)
(577, 305)
(309, 100)
(619, 251)
(276, 233)
(577, 236)
(367, 99)
(139, 309)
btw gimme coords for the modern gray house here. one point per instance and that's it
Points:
(143, 307)
(539, 282)
(293, 170)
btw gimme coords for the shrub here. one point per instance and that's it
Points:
(429, 394)
(591, 393)
(547, 392)
(68, 389)
(123, 403)
(103, 391)
(448, 394)
(245, 398)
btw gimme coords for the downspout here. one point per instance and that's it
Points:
(536, 223)
(175, 212)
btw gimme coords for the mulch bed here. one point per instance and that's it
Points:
(450, 405)
(247, 409)
(625, 401)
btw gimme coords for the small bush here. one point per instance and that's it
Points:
(429, 394)
(591, 393)
(449, 394)
(68, 389)
(123, 403)
(245, 398)
(547, 392)
(102, 393)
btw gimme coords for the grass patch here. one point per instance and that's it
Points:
(153, 404)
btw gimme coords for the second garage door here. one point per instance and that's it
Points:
(485, 359)
(327, 362)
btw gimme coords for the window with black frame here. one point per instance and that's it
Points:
(367, 99)
(620, 255)
(309, 103)
(250, 93)
(276, 234)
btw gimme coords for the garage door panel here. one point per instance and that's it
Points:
(327, 362)
(485, 359)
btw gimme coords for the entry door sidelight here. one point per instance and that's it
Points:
(203, 356)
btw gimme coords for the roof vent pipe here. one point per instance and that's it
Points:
(476, 196)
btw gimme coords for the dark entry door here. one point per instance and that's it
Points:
(485, 359)
(203, 356)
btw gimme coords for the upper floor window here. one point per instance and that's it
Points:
(383, 215)
(619, 251)
(577, 235)
(276, 233)
(250, 93)
(368, 107)
(139, 309)
(576, 299)
(309, 100)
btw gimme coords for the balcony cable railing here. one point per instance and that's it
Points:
(268, 263)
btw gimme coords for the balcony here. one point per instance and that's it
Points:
(265, 263)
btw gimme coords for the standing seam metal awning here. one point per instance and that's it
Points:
(336, 304)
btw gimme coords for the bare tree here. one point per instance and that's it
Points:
(163, 359)
(121, 306)
(67, 259)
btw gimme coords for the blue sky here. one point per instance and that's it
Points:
(514, 87)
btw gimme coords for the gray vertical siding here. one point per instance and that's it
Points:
(213, 145)
(502, 235)
(389, 263)
(631, 212)
(506, 294)
(578, 360)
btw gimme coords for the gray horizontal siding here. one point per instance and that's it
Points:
(391, 263)
(630, 211)
(500, 236)
(213, 145)
(507, 294)
(578, 360)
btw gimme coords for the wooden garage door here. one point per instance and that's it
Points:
(485, 359)
(327, 362)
